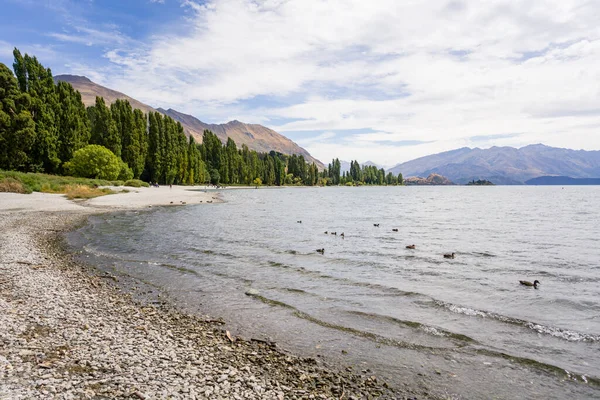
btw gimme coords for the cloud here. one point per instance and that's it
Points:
(92, 37)
(423, 77)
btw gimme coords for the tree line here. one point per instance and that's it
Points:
(43, 124)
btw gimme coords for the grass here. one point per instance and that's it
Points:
(74, 188)
(85, 192)
(12, 185)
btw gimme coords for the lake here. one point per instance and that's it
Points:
(462, 327)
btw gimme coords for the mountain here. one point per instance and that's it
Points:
(89, 90)
(256, 137)
(345, 165)
(505, 165)
(371, 164)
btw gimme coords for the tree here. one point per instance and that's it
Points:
(38, 82)
(95, 161)
(215, 177)
(72, 121)
(153, 156)
(17, 129)
(103, 127)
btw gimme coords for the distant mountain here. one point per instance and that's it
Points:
(256, 137)
(345, 165)
(505, 165)
(562, 180)
(371, 164)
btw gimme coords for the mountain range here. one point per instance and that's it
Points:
(256, 137)
(505, 165)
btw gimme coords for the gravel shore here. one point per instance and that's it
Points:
(68, 332)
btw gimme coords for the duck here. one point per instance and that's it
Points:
(411, 246)
(449, 255)
(527, 283)
(299, 222)
(395, 230)
(377, 225)
(322, 251)
(342, 235)
(326, 232)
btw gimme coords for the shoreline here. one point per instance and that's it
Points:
(69, 331)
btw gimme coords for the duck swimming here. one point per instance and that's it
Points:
(527, 283)
(322, 251)
(394, 229)
(411, 246)
(449, 255)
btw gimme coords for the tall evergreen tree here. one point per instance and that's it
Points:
(103, 128)
(17, 129)
(37, 81)
(72, 121)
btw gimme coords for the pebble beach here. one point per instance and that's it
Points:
(68, 331)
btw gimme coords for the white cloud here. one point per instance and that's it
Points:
(440, 71)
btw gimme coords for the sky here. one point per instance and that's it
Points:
(380, 80)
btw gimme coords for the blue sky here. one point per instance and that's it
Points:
(386, 81)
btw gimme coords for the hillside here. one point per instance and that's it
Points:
(505, 165)
(89, 90)
(256, 137)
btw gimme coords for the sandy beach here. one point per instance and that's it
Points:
(69, 331)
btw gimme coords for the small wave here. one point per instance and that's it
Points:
(353, 331)
(565, 334)
(484, 254)
(432, 330)
(178, 268)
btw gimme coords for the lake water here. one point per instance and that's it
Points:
(460, 328)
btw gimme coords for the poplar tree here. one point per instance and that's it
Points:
(17, 129)
(72, 122)
(103, 127)
(37, 81)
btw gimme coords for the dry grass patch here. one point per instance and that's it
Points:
(85, 192)
(12, 185)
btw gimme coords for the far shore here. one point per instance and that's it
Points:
(69, 331)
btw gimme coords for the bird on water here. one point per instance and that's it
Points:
(411, 246)
(322, 251)
(449, 255)
(527, 283)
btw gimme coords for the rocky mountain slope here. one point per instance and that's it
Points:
(505, 165)
(256, 137)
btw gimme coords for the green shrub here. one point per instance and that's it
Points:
(95, 161)
(37, 182)
(136, 183)
(117, 183)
